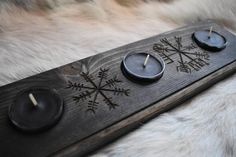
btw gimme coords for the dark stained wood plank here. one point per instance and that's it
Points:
(114, 131)
(112, 105)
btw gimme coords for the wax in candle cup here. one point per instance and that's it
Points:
(142, 67)
(41, 114)
(212, 41)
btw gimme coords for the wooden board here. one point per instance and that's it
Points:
(110, 106)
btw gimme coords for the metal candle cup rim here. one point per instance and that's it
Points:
(214, 48)
(51, 123)
(154, 77)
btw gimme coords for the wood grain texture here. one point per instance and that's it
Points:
(101, 104)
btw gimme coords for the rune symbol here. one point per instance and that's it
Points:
(91, 91)
(188, 58)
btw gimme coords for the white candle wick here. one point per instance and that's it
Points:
(146, 60)
(210, 32)
(33, 100)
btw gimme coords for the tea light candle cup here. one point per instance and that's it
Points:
(209, 40)
(36, 109)
(142, 67)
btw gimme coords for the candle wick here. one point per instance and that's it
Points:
(146, 60)
(33, 100)
(210, 32)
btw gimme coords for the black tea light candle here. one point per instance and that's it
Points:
(36, 109)
(142, 67)
(210, 40)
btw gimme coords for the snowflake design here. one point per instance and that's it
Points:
(90, 92)
(189, 58)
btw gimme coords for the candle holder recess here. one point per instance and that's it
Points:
(210, 40)
(142, 67)
(32, 114)
(75, 109)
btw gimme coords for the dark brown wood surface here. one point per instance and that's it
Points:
(108, 103)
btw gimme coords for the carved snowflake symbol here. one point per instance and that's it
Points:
(187, 58)
(91, 91)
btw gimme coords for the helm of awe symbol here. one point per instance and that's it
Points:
(187, 58)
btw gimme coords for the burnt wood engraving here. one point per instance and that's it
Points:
(90, 92)
(189, 57)
(101, 104)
